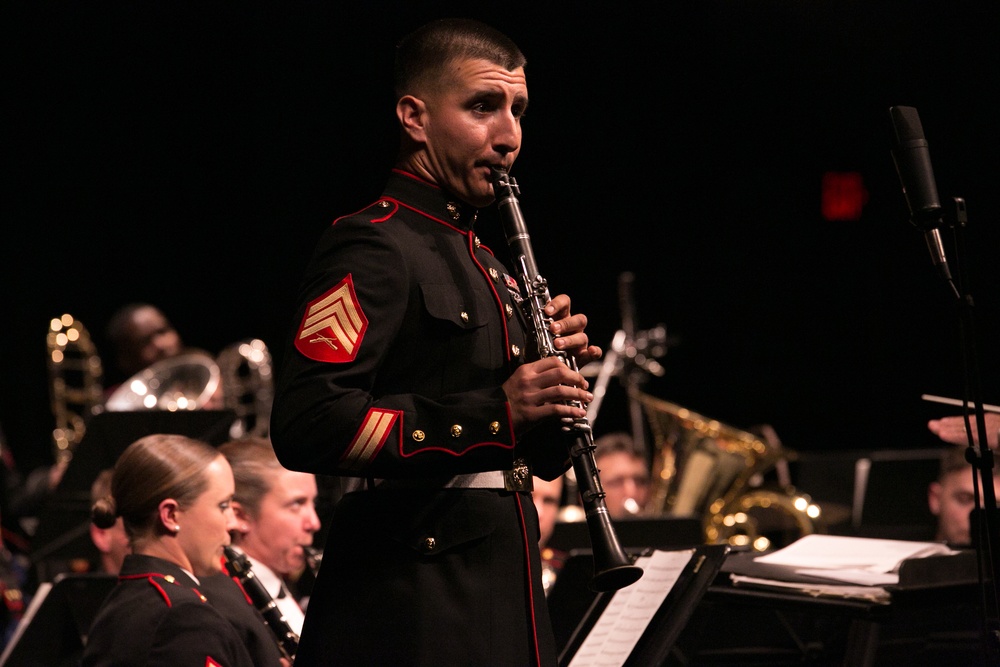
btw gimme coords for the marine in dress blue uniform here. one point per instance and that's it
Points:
(157, 617)
(408, 326)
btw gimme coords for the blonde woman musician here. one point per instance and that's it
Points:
(174, 495)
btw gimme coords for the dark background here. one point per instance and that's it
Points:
(190, 156)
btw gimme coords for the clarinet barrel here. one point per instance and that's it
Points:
(613, 568)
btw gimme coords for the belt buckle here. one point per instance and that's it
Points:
(518, 478)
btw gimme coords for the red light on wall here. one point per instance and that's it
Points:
(844, 195)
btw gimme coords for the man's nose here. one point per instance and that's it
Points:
(507, 137)
(312, 520)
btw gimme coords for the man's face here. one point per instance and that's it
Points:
(952, 499)
(471, 122)
(285, 522)
(151, 338)
(626, 482)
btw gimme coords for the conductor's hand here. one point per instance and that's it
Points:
(952, 429)
(548, 388)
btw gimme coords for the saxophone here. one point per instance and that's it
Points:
(613, 568)
(238, 567)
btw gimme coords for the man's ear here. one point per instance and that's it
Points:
(412, 115)
(934, 497)
(242, 516)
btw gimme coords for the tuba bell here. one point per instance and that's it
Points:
(709, 470)
(188, 381)
(238, 379)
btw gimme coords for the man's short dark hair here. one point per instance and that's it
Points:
(617, 441)
(953, 459)
(422, 54)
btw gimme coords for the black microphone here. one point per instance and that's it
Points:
(913, 164)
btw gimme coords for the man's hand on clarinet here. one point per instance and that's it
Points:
(549, 388)
(568, 331)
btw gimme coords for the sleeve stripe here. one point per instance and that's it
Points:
(369, 439)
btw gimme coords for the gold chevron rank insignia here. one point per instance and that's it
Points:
(333, 325)
(369, 439)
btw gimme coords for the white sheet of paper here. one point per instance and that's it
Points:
(871, 593)
(860, 577)
(838, 552)
(619, 628)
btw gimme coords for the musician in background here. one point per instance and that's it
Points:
(952, 497)
(624, 474)
(140, 335)
(13, 596)
(173, 495)
(22, 496)
(411, 370)
(548, 499)
(111, 541)
(275, 520)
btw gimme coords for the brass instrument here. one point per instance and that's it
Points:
(239, 379)
(75, 382)
(706, 469)
(613, 568)
(188, 381)
(238, 566)
(248, 385)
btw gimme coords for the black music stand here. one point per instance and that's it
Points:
(62, 535)
(54, 629)
(885, 485)
(662, 532)
(662, 628)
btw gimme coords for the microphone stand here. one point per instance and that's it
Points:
(988, 543)
(632, 356)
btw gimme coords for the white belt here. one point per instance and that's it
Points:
(517, 479)
(491, 479)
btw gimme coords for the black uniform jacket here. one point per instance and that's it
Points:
(407, 328)
(229, 597)
(156, 615)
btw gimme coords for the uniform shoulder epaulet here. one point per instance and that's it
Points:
(166, 585)
(378, 211)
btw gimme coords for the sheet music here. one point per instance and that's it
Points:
(856, 560)
(626, 617)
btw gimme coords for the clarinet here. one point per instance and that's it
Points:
(238, 566)
(613, 568)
